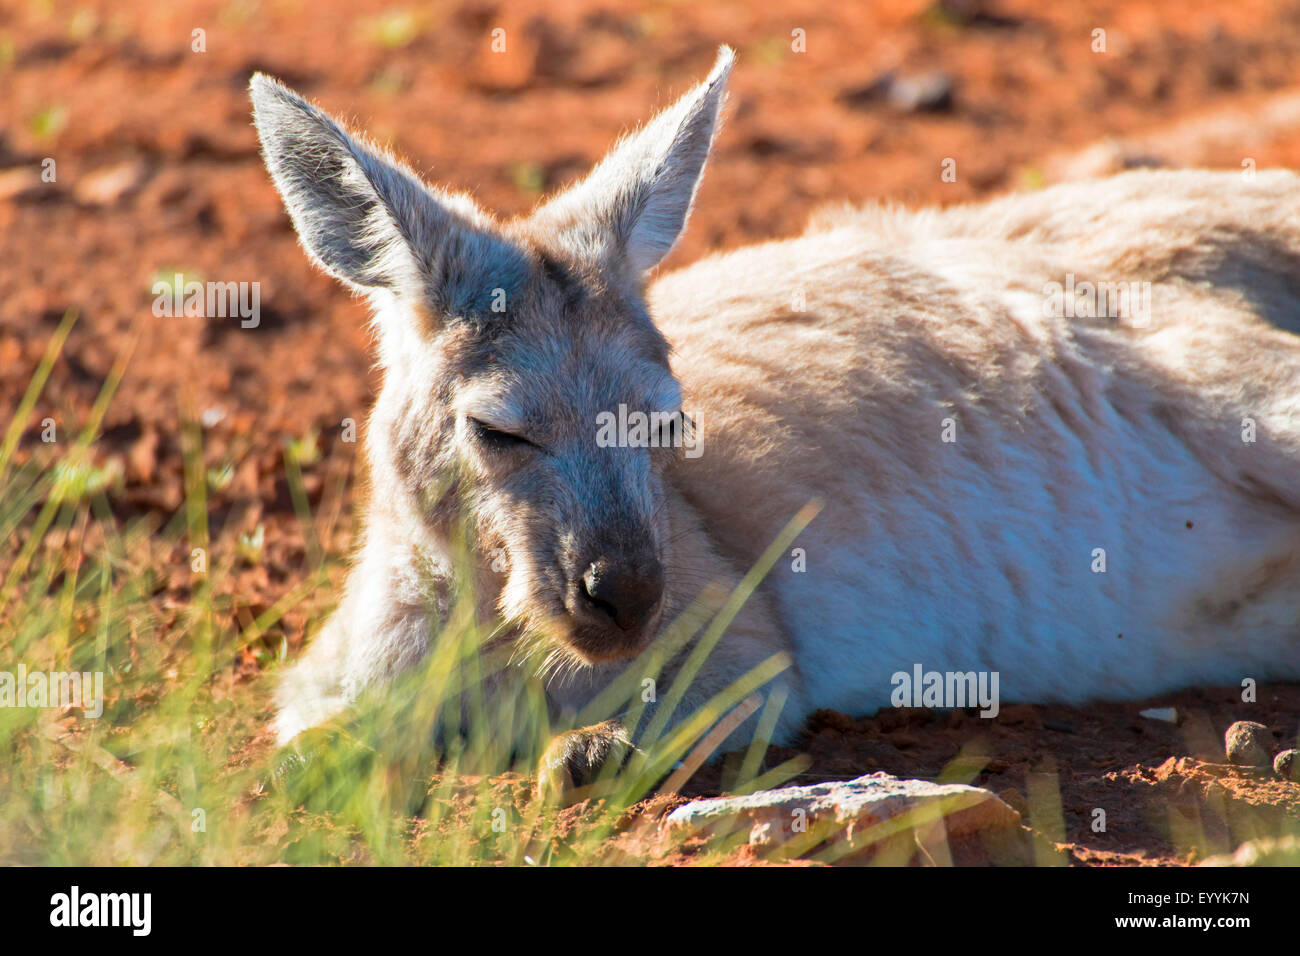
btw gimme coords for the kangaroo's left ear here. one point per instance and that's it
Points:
(635, 203)
(368, 220)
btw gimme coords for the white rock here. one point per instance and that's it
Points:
(1168, 714)
(20, 182)
(863, 811)
(103, 187)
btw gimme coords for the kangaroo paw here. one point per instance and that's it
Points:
(573, 761)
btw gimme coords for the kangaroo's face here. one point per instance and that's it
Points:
(520, 352)
(569, 522)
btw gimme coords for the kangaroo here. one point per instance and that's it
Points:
(1092, 496)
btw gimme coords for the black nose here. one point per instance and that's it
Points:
(626, 594)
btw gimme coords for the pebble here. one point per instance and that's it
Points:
(21, 182)
(1287, 765)
(927, 93)
(1248, 744)
(917, 93)
(103, 187)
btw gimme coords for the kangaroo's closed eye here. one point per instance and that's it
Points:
(495, 438)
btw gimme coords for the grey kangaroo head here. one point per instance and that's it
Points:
(505, 347)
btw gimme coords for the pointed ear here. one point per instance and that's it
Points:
(635, 203)
(368, 220)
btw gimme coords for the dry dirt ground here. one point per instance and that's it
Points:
(158, 173)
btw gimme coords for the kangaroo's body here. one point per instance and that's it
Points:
(1174, 448)
(1095, 498)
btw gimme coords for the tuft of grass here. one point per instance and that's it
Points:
(82, 24)
(771, 51)
(394, 29)
(179, 769)
(306, 449)
(49, 122)
(528, 178)
(239, 12)
(941, 18)
(389, 80)
(250, 546)
(1033, 178)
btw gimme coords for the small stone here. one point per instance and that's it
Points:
(20, 182)
(104, 187)
(1287, 765)
(927, 93)
(915, 93)
(1167, 714)
(1248, 744)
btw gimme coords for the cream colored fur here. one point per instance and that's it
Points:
(833, 366)
(1071, 435)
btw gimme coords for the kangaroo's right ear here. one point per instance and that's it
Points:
(371, 222)
(635, 203)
